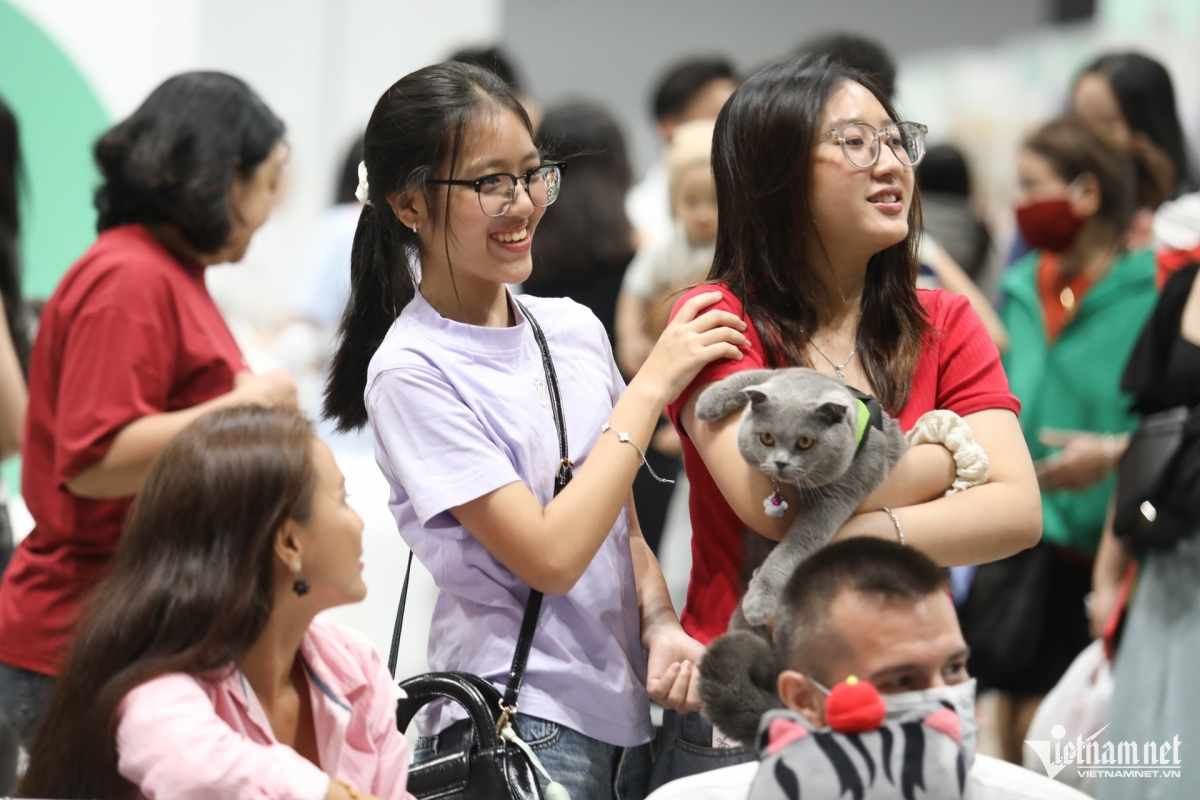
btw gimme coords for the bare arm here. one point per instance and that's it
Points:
(925, 472)
(633, 344)
(983, 523)
(124, 467)
(671, 669)
(14, 396)
(1112, 560)
(550, 547)
(953, 279)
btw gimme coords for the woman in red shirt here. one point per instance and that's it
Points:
(130, 349)
(818, 228)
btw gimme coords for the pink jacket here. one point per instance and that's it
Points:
(181, 737)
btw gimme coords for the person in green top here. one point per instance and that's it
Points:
(1073, 308)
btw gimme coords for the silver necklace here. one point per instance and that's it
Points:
(837, 368)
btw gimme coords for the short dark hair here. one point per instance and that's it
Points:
(865, 55)
(588, 232)
(944, 170)
(686, 79)
(883, 569)
(174, 159)
(495, 61)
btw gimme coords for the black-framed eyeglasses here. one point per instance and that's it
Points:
(498, 191)
(860, 142)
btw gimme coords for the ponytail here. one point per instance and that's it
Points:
(381, 283)
(416, 129)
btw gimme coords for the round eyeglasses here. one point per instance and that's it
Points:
(498, 191)
(860, 142)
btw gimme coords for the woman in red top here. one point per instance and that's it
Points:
(131, 349)
(817, 233)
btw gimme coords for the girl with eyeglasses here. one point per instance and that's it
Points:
(818, 221)
(436, 354)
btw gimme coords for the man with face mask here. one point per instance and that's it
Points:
(877, 695)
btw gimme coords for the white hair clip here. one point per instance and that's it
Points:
(363, 192)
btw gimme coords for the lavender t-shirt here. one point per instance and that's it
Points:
(459, 411)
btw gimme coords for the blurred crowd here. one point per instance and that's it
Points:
(1093, 309)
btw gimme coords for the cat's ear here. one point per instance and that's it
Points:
(757, 396)
(830, 413)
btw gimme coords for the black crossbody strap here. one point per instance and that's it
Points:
(562, 477)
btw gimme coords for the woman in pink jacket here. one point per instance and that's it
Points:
(199, 669)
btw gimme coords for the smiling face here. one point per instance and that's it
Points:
(483, 250)
(857, 212)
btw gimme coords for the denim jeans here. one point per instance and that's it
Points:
(684, 747)
(587, 768)
(23, 699)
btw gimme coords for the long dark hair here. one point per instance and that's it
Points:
(191, 587)
(418, 126)
(762, 161)
(10, 231)
(174, 159)
(588, 231)
(1146, 96)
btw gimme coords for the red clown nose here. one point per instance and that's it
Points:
(854, 706)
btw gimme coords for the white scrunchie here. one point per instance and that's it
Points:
(952, 432)
(363, 192)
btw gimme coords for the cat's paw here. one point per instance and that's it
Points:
(759, 604)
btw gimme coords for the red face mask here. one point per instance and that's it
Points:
(1049, 224)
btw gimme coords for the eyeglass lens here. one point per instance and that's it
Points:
(861, 144)
(497, 192)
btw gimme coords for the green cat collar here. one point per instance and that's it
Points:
(870, 415)
(864, 422)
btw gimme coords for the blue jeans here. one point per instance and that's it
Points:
(684, 747)
(588, 768)
(24, 696)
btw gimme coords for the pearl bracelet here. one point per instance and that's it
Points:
(624, 437)
(896, 522)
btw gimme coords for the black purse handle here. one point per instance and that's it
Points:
(562, 477)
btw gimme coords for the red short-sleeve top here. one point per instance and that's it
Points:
(130, 331)
(959, 370)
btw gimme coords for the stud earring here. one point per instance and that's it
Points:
(299, 585)
(414, 227)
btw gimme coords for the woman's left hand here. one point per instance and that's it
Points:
(1083, 461)
(672, 679)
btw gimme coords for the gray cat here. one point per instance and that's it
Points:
(801, 428)
(836, 446)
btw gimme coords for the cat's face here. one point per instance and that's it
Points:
(799, 429)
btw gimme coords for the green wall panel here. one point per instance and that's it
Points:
(60, 118)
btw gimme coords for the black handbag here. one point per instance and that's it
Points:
(1158, 481)
(493, 768)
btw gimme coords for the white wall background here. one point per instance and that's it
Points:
(319, 64)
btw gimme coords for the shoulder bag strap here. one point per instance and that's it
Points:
(562, 477)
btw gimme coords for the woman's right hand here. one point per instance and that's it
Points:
(691, 341)
(274, 389)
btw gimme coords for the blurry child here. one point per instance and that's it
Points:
(661, 269)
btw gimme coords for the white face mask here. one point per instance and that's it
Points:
(960, 696)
